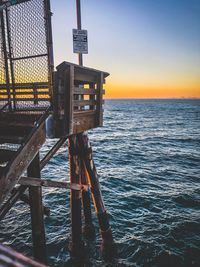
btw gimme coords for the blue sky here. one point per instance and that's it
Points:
(144, 44)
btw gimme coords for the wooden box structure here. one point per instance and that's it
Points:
(77, 99)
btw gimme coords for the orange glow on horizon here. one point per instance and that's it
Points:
(139, 91)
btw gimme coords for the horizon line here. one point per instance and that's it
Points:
(146, 98)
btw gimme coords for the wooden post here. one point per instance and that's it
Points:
(76, 246)
(100, 99)
(88, 230)
(37, 217)
(108, 245)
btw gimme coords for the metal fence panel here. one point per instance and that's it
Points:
(26, 32)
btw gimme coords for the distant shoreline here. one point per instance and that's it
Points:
(191, 98)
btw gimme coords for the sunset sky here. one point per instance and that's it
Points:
(151, 48)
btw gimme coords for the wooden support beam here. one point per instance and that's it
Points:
(37, 216)
(52, 152)
(76, 246)
(26, 181)
(108, 244)
(89, 229)
(9, 257)
(11, 201)
(100, 100)
(35, 182)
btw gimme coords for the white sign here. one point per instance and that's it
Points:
(80, 41)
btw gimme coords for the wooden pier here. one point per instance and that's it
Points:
(35, 100)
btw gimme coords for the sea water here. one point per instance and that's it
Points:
(148, 160)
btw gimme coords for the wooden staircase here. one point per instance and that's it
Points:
(21, 136)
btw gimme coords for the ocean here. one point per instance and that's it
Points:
(148, 160)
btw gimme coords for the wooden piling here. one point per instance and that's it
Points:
(88, 229)
(108, 244)
(37, 216)
(76, 246)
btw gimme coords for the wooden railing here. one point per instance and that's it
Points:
(25, 92)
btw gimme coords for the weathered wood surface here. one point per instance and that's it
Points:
(16, 167)
(31, 181)
(88, 229)
(83, 123)
(84, 102)
(25, 99)
(52, 152)
(11, 258)
(17, 193)
(18, 86)
(108, 245)
(100, 100)
(78, 89)
(37, 215)
(76, 244)
(84, 91)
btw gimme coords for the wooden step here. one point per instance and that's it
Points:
(14, 130)
(6, 155)
(1, 171)
(13, 134)
(11, 139)
(18, 118)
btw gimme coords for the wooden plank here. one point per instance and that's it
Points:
(16, 194)
(19, 117)
(83, 69)
(39, 85)
(25, 93)
(11, 140)
(14, 130)
(31, 181)
(68, 100)
(85, 77)
(84, 123)
(20, 163)
(52, 152)
(27, 99)
(6, 155)
(9, 257)
(100, 99)
(92, 97)
(84, 113)
(84, 102)
(83, 91)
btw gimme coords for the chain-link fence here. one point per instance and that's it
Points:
(26, 27)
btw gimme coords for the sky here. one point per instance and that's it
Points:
(151, 48)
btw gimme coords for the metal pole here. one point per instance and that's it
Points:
(3, 36)
(10, 58)
(78, 14)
